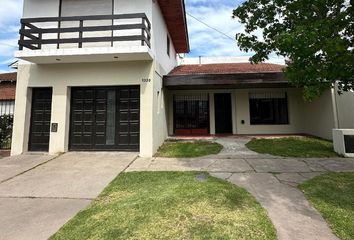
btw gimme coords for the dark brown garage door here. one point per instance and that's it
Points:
(105, 118)
(40, 119)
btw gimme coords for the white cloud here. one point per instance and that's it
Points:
(10, 13)
(205, 41)
(8, 46)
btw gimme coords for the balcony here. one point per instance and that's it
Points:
(99, 38)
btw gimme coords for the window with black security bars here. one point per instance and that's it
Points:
(268, 108)
(191, 114)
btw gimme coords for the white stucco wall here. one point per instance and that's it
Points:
(345, 110)
(63, 76)
(40, 8)
(86, 8)
(319, 116)
(127, 7)
(314, 118)
(163, 65)
(294, 109)
(159, 41)
(240, 111)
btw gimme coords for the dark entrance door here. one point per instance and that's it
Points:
(40, 119)
(223, 116)
(105, 118)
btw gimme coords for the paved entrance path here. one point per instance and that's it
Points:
(272, 180)
(40, 193)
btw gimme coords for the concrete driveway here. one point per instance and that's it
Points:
(40, 193)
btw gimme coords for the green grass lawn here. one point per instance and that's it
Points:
(170, 205)
(184, 149)
(333, 196)
(293, 147)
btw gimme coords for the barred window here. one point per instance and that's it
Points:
(7, 107)
(268, 108)
(191, 111)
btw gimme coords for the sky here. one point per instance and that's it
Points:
(204, 41)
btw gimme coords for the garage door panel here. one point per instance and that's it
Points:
(124, 116)
(135, 93)
(124, 93)
(134, 104)
(124, 105)
(124, 127)
(105, 118)
(134, 116)
(134, 128)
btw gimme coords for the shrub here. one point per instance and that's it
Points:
(6, 123)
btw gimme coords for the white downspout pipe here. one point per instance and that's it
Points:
(334, 106)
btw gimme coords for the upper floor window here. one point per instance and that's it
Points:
(168, 45)
(268, 108)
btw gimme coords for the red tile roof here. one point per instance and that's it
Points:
(7, 91)
(226, 68)
(8, 77)
(8, 86)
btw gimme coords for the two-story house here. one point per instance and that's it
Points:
(103, 75)
(91, 74)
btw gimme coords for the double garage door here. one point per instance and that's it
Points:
(105, 118)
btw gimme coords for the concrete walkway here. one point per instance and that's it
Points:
(40, 193)
(272, 180)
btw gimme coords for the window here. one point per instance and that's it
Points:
(168, 45)
(268, 108)
(191, 114)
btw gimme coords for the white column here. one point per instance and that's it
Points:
(334, 106)
(146, 116)
(233, 106)
(22, 116)
(58, 142)
(211, 113)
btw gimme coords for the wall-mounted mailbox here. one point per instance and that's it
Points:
(343, 142)
(54, 127)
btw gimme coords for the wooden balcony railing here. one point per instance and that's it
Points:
(36, 32)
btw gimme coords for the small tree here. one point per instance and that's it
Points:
(6, 123)
(315, 36)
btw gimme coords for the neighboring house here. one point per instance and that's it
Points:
(102, 75)
(7, 93)
(241, 98)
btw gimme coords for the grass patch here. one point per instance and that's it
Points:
(293, 147)
(170, 205)
(333, 196)
(182, 149)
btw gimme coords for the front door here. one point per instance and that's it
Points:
(223, 113)
(40, 119)
(105, 118)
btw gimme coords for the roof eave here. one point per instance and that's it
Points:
(236, 79)
(171, 12)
